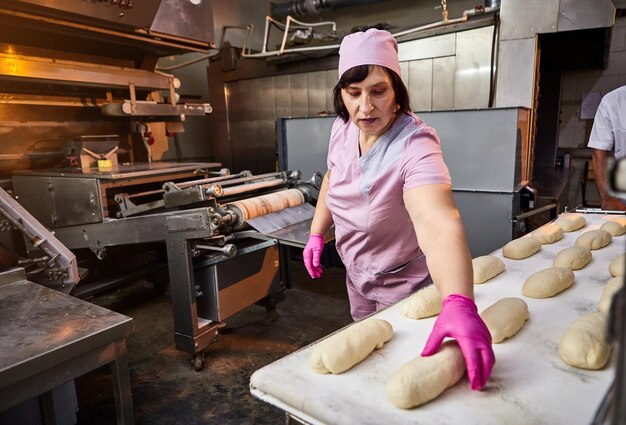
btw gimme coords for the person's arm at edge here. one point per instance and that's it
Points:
(599, 159)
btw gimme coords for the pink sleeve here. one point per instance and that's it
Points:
(337, 129)
(423, 161)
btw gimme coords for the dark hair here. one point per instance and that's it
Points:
(360, 73)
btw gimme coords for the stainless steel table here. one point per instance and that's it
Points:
(530, 383)
(48, 338)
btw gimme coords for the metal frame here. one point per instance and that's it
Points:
(178, 230)
(60, 261)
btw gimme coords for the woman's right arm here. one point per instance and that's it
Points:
(322, 220)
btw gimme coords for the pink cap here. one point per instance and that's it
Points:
(372, 47)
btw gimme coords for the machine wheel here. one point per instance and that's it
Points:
(198, 361)
(272, 314)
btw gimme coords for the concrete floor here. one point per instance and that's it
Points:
(167, 390)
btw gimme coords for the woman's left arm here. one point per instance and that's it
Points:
(441, 236)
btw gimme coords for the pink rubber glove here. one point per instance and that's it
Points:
(459, 319)
(312, 253)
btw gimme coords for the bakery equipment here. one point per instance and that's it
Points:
(217, 263)
(81, 102)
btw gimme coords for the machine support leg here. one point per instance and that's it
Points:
(183, 294)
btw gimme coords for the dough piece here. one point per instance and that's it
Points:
(521, 248)
(573, 258)
(548, 233)
(505, 318)
(610, 289)
(548, 282)
(348, 347)
(486, 267)
(424, 303)
(616, 226)
(570, 222)
(425, 378)
(584, 344)
(594, 239)
(616, 266)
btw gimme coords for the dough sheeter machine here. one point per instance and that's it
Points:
(218, 264)
(530, 384)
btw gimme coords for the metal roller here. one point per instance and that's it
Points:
(265, 204)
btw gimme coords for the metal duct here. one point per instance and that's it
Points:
(312, 7)
(492, 3)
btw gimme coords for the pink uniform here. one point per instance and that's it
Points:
(374, 234)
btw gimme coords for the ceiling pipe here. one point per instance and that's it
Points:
(312, 7)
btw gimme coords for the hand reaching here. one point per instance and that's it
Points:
(459, 319)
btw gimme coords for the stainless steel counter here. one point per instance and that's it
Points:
(48, 338)
(530, 383)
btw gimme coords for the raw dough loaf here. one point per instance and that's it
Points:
(505, 318)
(610, 289)
(616, 226)
(594, 239)
(425, 378)
(424, 303)
(548, 233)
(348, 347)
(584, 344)
(486, 267)
(570, 222)
(573, 258)
(521, 248)
(616, 266)
(548, 282)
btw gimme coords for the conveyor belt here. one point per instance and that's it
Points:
(530, 383)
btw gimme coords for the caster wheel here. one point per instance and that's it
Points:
(198, 361)
(272, 314)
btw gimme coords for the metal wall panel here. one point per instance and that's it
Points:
(404, 70)
(472, 68)
(424, 48)
(267, 120)
(476, 140)
(582, 14)
(516, 73)
(443, 83)
(299, 95)
(421, 84)
(245, 127)
(487, 219)
(331, 82)
(523, 19)
(306, 144)
(282, 98)
(267, 108)
(316, 92)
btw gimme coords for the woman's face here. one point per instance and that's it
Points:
(371, 103)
